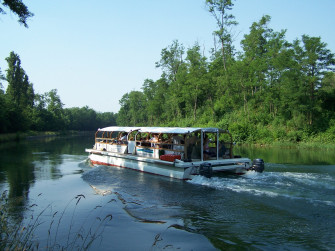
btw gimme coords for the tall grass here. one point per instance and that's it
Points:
(20, 234)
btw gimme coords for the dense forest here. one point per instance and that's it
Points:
(272, 90)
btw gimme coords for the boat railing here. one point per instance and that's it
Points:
(111, 141)
(110, 144)
(155, 145)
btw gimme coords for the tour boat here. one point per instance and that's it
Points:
(175, 152)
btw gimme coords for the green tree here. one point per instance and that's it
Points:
(327, 92)
(133, 109)
(55, 108)
(175, 101)
(54, 103)
(20, 91)
(106, 119)
(123, 117)
(263, 63)
(42, 119)
(19, 8)
(171, 60)
(222, 61)
(155, 96)
(314, 60)
(195, 87)
(19, 94)
(82, 119)
(225, 21)
(3, 105)
(2, 77)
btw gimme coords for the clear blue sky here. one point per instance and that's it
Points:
(93, 52)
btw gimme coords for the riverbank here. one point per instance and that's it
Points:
(315, 142)
(294, 145)
(19, 136)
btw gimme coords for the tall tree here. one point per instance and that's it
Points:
(264, 61)
(225, 21)
(19, 89)
(171, 60)
(19, 94)
(155, 95)
(123, 117)
(2, 77)
(54, 103)
(315, 60)
(133, 109)
(42, 119)
(55, 108)
(19, 8)
(195, 84)
(3, 105)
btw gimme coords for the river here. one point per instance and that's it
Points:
(66, 204)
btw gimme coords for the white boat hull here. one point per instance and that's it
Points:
(177, 169)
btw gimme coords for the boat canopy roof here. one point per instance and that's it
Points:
(118, 129)
(172, 130)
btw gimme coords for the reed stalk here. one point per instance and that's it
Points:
(20, 234)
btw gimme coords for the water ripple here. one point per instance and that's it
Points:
(312, 187)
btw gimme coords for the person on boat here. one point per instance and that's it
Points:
(123, 138)
(206, 148)
(154, 140)
(177, 140)
(178, 145)
(191, 144)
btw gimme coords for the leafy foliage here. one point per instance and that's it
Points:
(272, 90)
(19, 8)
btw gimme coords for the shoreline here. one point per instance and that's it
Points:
(31, 135)
(21, 136)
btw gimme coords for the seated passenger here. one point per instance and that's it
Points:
(123, 138)
(154, 140)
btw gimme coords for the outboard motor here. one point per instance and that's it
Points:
(206, 169)
(257, 165)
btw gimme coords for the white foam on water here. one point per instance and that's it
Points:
(295, 186)
(251, 175)
(238, 185)
(312, 179)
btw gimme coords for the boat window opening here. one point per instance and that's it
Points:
(160, 144)
(132, 135)
(122, 138)
(212, 146)
(105, 138)
(199, 145)
(226, 145)
(193, 146)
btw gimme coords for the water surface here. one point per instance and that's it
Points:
(289, 206)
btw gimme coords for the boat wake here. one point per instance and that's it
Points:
(310, 187)
(85, 164)
(314, 188)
